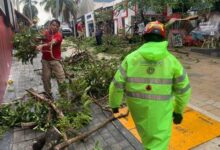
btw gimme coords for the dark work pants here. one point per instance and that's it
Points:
(98, 39)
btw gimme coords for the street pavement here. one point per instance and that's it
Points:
(204, 74)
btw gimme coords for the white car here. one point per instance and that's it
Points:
(66, 30)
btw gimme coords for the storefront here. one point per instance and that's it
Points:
(123, 18)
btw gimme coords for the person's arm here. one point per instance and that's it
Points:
(40, 47)
(181, 90)
(56, 39)
(117, 87)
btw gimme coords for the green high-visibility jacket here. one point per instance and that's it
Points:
(154, 84)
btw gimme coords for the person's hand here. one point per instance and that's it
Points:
(115, 110)
(39, 47)
(53, 41)
(177, 118)
(119, 114)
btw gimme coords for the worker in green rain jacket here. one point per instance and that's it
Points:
(155, 86)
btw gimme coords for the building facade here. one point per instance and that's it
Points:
(9, 19)
(86, 13)
(7, 25)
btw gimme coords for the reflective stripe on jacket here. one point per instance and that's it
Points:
(150, 78)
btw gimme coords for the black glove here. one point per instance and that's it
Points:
(177, 118)
(115, 110)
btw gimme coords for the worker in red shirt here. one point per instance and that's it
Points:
(80, 30)
(51, 56)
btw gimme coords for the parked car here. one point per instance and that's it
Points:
(66, 30)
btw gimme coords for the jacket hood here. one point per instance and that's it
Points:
(154, 51)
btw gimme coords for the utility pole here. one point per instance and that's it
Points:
(57, 9)
(30, 9)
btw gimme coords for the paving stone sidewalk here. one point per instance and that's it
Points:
(25, 76)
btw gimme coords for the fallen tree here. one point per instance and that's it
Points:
(86, 134)
(64, 117)
(60, 115)
(59, 112)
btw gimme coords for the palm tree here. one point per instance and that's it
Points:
(66, 8)
(49, 6)
(29, 9)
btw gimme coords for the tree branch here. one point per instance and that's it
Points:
(59, 113)
(48, 101)
(86, 134)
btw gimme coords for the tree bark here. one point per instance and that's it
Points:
(86, 134)
(59, 113)
(48, 101)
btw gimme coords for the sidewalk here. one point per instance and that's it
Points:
(204, 76)
(203, 71)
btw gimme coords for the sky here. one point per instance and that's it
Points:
(45, 16)
(42, 14)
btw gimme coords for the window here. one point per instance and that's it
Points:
(9, 11)
(2, 6)
(12, 14)
(88, 17)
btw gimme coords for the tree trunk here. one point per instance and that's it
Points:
(59, 113)
(86, 134)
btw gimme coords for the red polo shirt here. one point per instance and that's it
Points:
(79, 27)
(56, 50)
